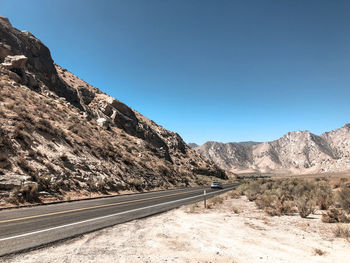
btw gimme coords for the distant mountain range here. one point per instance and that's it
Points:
(295, 153)
(194, 145)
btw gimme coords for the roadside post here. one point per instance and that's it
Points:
(205, 198)
(90, 184)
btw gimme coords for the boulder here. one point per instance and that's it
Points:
(102, 122)
(122, 108)
(10, 181)
(15, 62)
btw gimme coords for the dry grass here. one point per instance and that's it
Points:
(341, 231)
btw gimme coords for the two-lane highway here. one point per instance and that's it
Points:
(26, 228)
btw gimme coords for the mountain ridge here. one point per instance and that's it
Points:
(295, 153)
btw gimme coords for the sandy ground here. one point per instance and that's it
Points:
(193, 234)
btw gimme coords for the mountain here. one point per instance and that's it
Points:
(60, 134)
(248, 143)
(295, 153)
(192, 145)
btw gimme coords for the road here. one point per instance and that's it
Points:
(26, 228)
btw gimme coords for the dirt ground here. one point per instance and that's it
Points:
(234, 231)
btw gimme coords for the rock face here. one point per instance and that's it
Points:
(67, 135)
(14, 42)
(15, 62)
(296, 152)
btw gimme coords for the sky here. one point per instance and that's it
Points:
(209, 70)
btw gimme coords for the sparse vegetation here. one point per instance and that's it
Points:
(288, 196)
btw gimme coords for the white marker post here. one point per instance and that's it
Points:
(205, 198)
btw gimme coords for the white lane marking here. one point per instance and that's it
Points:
(103, 217)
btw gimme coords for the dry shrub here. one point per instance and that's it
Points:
(4, 161)
(319, 252)
(335, 215)
(266, 201)
(286, 207)
(26, 117)
(25, 166)
(192, 208)
(253, 189)
(305, 205)
(30, 192)
(209, 206)
(324, 196)
(234, 194)
(5, 142)
(44, 126)
(274, 206)
(101, 185)
(27, 192)
(251, 196)
(137, 183)
(304, 188)
(64, 157)
(216, 200)
(344, 199)
(43, 181)
(341, 231)
(22, 137)
(241, 189)
(235, 210)
(343, 179)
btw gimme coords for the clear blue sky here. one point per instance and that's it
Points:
(209, 70)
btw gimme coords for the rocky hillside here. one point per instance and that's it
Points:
(296, 152)
(59, 134)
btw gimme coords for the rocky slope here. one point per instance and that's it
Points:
(296, 153)
(59, 134)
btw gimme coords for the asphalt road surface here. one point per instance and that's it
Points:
(26, 228)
